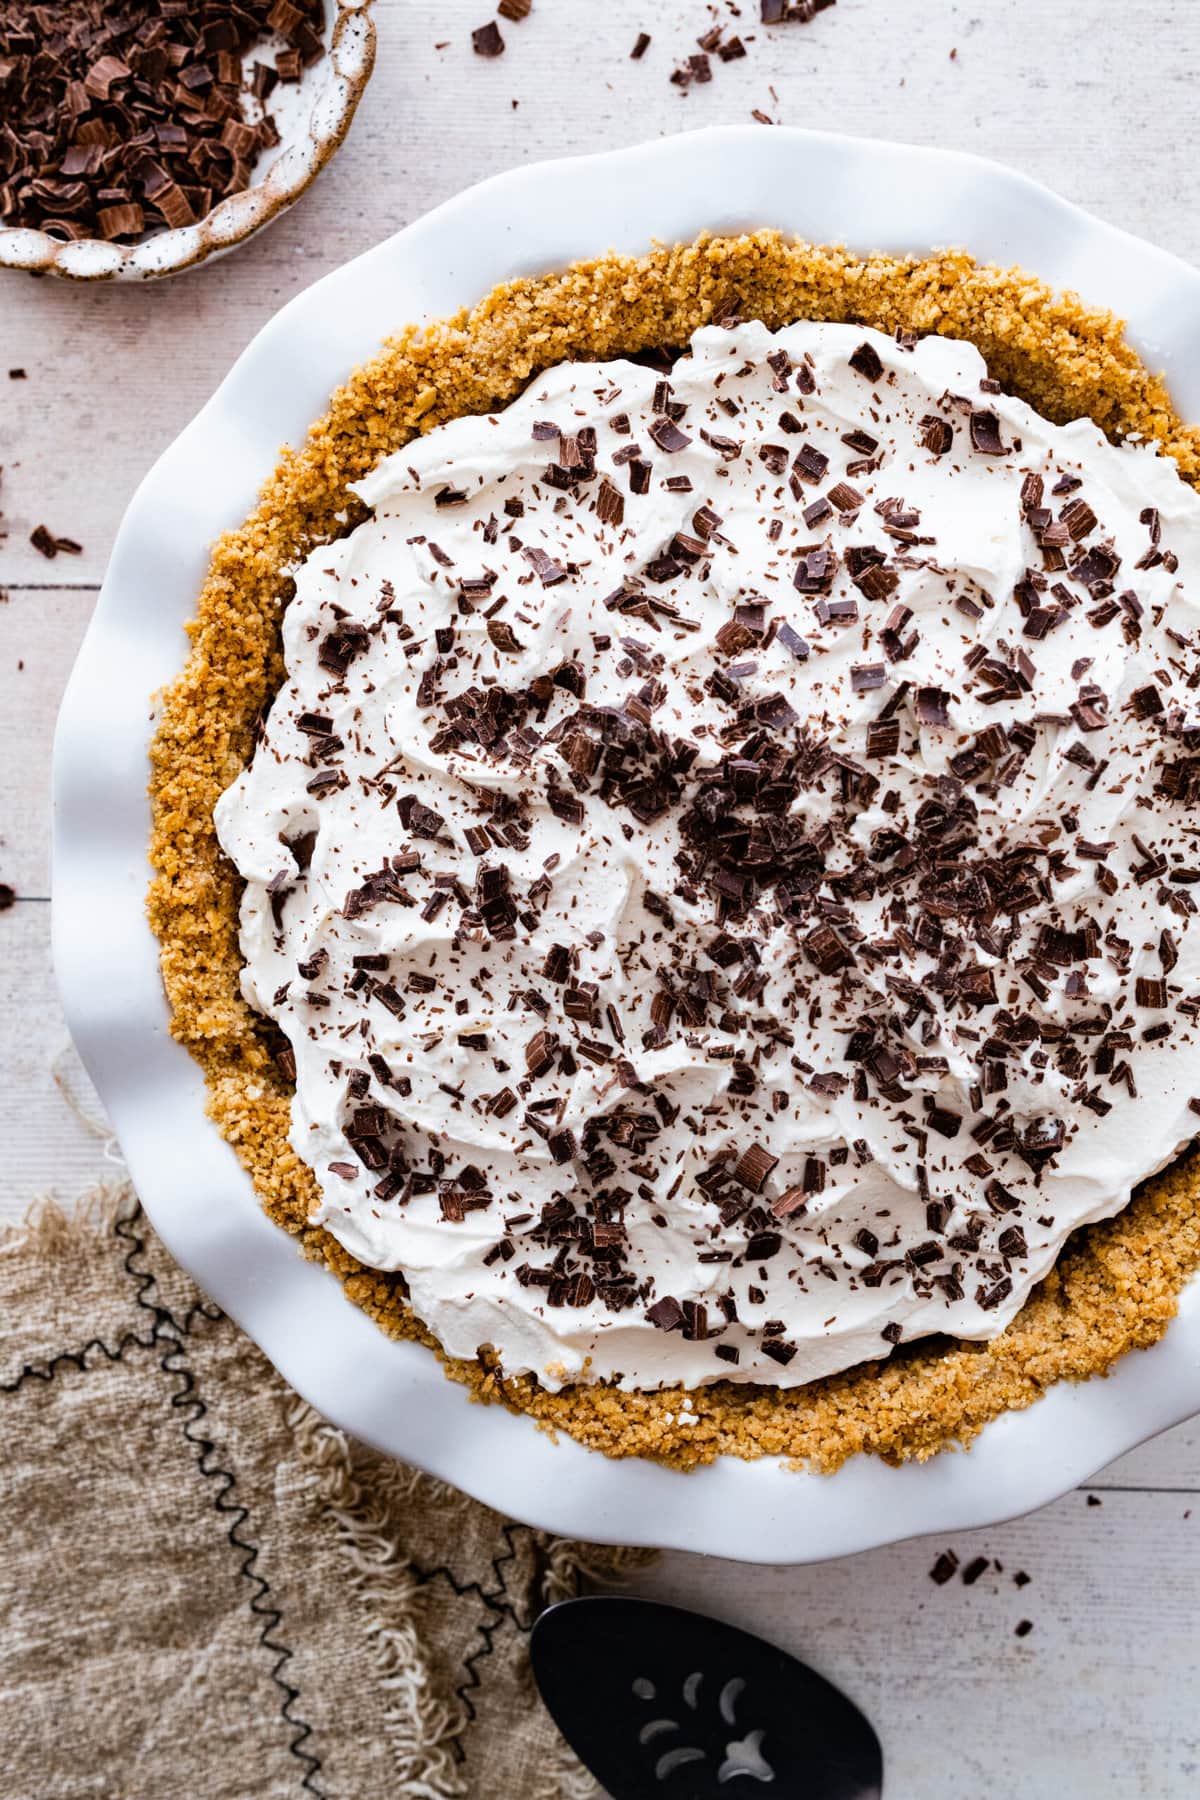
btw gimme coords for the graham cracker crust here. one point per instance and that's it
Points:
(1116, 1285)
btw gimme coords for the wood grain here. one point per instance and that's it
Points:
(1099, 1701)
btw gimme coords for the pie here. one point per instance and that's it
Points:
(673, 848)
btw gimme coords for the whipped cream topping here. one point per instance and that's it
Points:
(722, 857)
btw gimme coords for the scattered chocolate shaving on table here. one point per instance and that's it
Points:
(16, 375)
(974, 1569)
(119, 123)
(698, 68)
(641, 45)
(1024, 1628)
(44, 540)
(944, 1568)
(487, 41)
(515, 10)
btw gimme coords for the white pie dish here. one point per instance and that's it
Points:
(830, 189)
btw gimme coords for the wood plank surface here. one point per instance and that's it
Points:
(1100, 1700)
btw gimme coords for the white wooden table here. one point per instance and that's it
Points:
(1102, 1698)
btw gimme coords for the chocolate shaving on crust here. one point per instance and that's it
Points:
(1116, 1285)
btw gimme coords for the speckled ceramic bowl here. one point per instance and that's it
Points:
(313, 117)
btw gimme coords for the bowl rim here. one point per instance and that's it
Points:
(394, 1395)
(350, 59)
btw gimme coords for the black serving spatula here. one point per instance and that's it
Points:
(662, 1704)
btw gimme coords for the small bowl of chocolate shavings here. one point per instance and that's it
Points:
(140, 137)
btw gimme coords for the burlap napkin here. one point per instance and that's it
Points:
(207, 1590)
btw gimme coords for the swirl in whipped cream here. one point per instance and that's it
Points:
(723, 854)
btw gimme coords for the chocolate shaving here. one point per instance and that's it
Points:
(668, 436)
(861, 442)
(753, 1167)
(937, 434)
(503, 636)
(120, 122)
(824, 948)
(810, 464)
(792, 642)
(45, 541)
(985, 434)
(883, 738)
(844, 498)
(548, 572)
(487, 41)
(610, 503)
(866, 361)
(932, 706)
(1079, 519)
